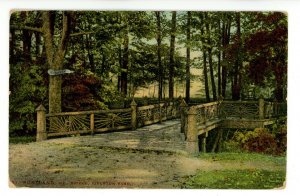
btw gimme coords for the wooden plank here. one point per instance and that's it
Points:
(208, 126)
(205, 105)
(147, 107)
(240, 102)
(242, 123)
(56, 134)
(112, 129)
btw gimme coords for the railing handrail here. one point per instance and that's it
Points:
(205, 104)
(88, 112)
(240, 101)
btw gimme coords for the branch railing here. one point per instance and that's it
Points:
(197, 116)
(151, 114)
(239, 109)
(85, 122)
(69, 123)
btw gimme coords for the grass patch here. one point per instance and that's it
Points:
(247, 178)
(241, 157)
(21, 139)
(236, 179)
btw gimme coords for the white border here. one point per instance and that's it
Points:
(290, 6)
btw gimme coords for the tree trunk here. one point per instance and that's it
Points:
(236, 77)
(219, 59)
(124, 71)
(90, 52)
(160, 71)
(226, 38)
(187, 67)
(206, 86)
(37, 44)
(120, 63)
(26, 38)
(55, 55)
(279, 82)
(205, 77)
(172, 51)
(12, 46)
(209, 50)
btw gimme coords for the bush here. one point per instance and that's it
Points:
(260, 140)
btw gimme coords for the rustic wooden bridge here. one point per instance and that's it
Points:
(195, 120)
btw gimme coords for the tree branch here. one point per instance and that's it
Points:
(61, 49)
(17, 27)
(47, 26)
(81, 33)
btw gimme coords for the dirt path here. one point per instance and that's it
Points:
(65, 164)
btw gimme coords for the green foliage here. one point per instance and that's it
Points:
(27, 90)
(260, 140)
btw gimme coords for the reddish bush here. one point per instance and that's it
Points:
(261, 141)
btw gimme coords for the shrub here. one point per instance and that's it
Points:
(260, 140)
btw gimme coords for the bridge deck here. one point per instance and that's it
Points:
(165, 137)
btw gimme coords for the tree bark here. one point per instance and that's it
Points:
(226, 38)
(204, 48)
(26, 39)
(120, 63)
(205, 77)
(12, 46)
(160, 71)
(124, 68)
(209, 50)
(187, 67)
(55, 55)
(37, 44)
(219, 59)
(237, 68)
(172, 51)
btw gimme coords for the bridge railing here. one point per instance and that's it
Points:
(197, 116)
(85, 122)
(151, 114)
(239, 109)
(206, 112)
(69, 123)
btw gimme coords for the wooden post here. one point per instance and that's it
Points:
(183, 105)
(204, 144)
(133, 106)
(41, 133)
(160, 113)
(275, 109)
(92, 123)
(191, 132)
(261, 105)
(216, 140)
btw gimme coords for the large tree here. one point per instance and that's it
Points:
(172, 53)
(55, 53)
